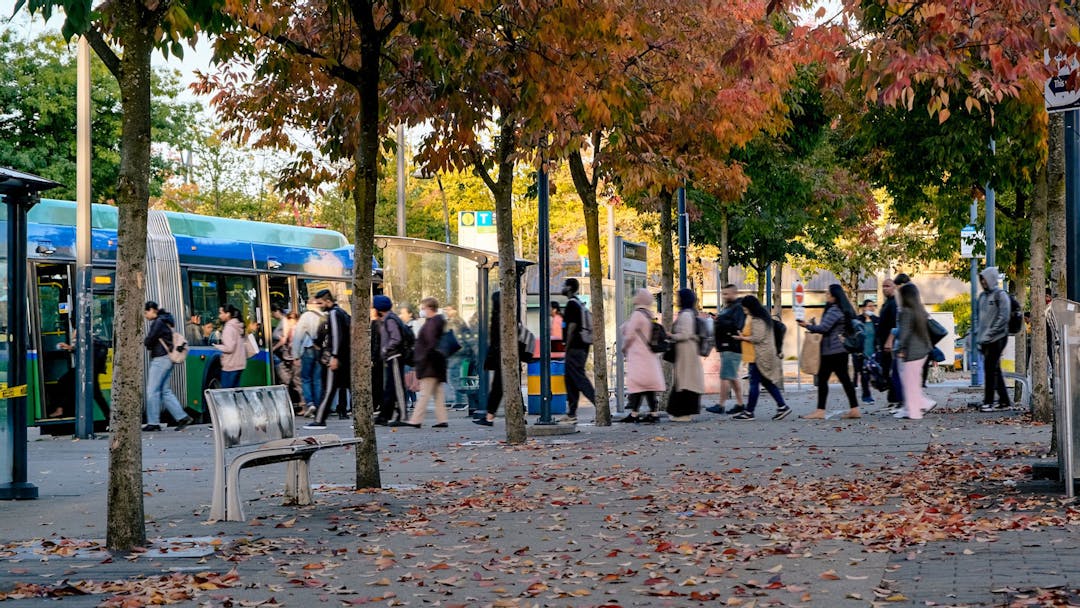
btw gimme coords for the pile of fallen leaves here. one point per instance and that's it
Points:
(150, 591)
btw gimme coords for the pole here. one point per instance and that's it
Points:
(84, 298)
(683, 236)
(446, 228)
(1068, 473)
(991, 217)
(401, 180)
(620, 318)
(768, 288)
(544, 266)
(19, 488)
(973, 348)
(1072, 206)
(611, 240)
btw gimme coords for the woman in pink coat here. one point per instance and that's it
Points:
(644, 376)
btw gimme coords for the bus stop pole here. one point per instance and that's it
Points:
(84, 360)
(684, 229)
(20, 488)
(620, 318)
(544, 263)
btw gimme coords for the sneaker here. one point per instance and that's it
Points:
(401, 423)
(929, 406)
(186, 421)
(629, 418)
(650, 419)
(314, 426)
(310, 411)
(995, 407)
(715, 409)
(1004, 406)
(782, 413)
(902, 414)
(440, 425)
(744, 415)
(483, 421)
(149, 428)
(737, 409)
(867, 399)
(567, 419)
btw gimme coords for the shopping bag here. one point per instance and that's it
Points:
(810, 358)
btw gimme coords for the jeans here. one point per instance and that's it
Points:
(577, 383)
(311, 376)
(885, 359)
(994, 380)
(158, 391)
(230, 379)
(834, 364)
(756, 382)
(862, 376)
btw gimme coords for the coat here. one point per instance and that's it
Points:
(915, 344)
(429, 362)
(831, 328)
(689, 373)
(994, 310)
(233, 351)
(643, 371)
(765, 357)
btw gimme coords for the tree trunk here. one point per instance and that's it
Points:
(510, 362)
(760, 272)
(1040, 384)
(586, 189)
(667, 281)
(1056, 206)
(126, 527)
(725, 255)
(365, 198)
(778, 288)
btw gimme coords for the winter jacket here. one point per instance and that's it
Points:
(429, 362)
(643, 371)
(233, 351)
(160, 330)
(994, 309)
(833, 322)
(390, 336)
(762, 347)
(886, 321)
(339, 325)
(913, 342)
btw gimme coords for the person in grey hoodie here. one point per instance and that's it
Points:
(992, 334)
(834, 357)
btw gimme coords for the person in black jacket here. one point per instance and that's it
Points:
(729, 323)
(159, 340)
(336, 346)
(492, 363)
(884, 335)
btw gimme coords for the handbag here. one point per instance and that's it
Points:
(448, 344)
(251, 347)
(669, 355)
(810, 358)
(936, 330)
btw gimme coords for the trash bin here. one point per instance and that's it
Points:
(558, 387)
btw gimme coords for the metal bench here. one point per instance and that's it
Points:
(260, 418)
(1024, 381)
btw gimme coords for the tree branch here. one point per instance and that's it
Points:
(104, 51)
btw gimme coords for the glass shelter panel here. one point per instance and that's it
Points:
(5, 437)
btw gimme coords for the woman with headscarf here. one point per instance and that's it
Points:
(913, 347)
(836, 318)
(759, 353)
(689, 381)
(644, 376)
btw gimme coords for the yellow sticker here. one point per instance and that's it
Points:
(15, 391)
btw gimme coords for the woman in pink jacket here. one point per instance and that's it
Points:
(233, 351)
(644, 376)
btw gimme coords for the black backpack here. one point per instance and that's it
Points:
(1016, 315)
(408, 340)
(779, 330)
(658, 336)
(854, 336)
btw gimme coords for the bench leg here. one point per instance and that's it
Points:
(303, 482)
(217, 498)
(233, 510)
(290, 483)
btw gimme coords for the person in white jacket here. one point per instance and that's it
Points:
(305, 348)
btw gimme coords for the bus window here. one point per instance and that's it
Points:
(309, 287)
(279, 296)
(210, 290)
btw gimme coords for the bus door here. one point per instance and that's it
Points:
(51, 368)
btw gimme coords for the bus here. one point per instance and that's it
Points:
(195, 264)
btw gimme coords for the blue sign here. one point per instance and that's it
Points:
(485, 218)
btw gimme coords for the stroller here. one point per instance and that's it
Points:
(872, 366)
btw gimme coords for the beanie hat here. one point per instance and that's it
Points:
(382, 303)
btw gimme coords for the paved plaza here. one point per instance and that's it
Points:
(877, 511)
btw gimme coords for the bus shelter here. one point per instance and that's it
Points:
(462, 280)
(19, 191)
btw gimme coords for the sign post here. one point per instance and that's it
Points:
(631, 269)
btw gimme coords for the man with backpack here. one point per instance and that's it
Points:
(334, 351)
(159, 341)
(995, 308)
(306, 349)
(729, 323)
(578, 336)
(396, 343)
